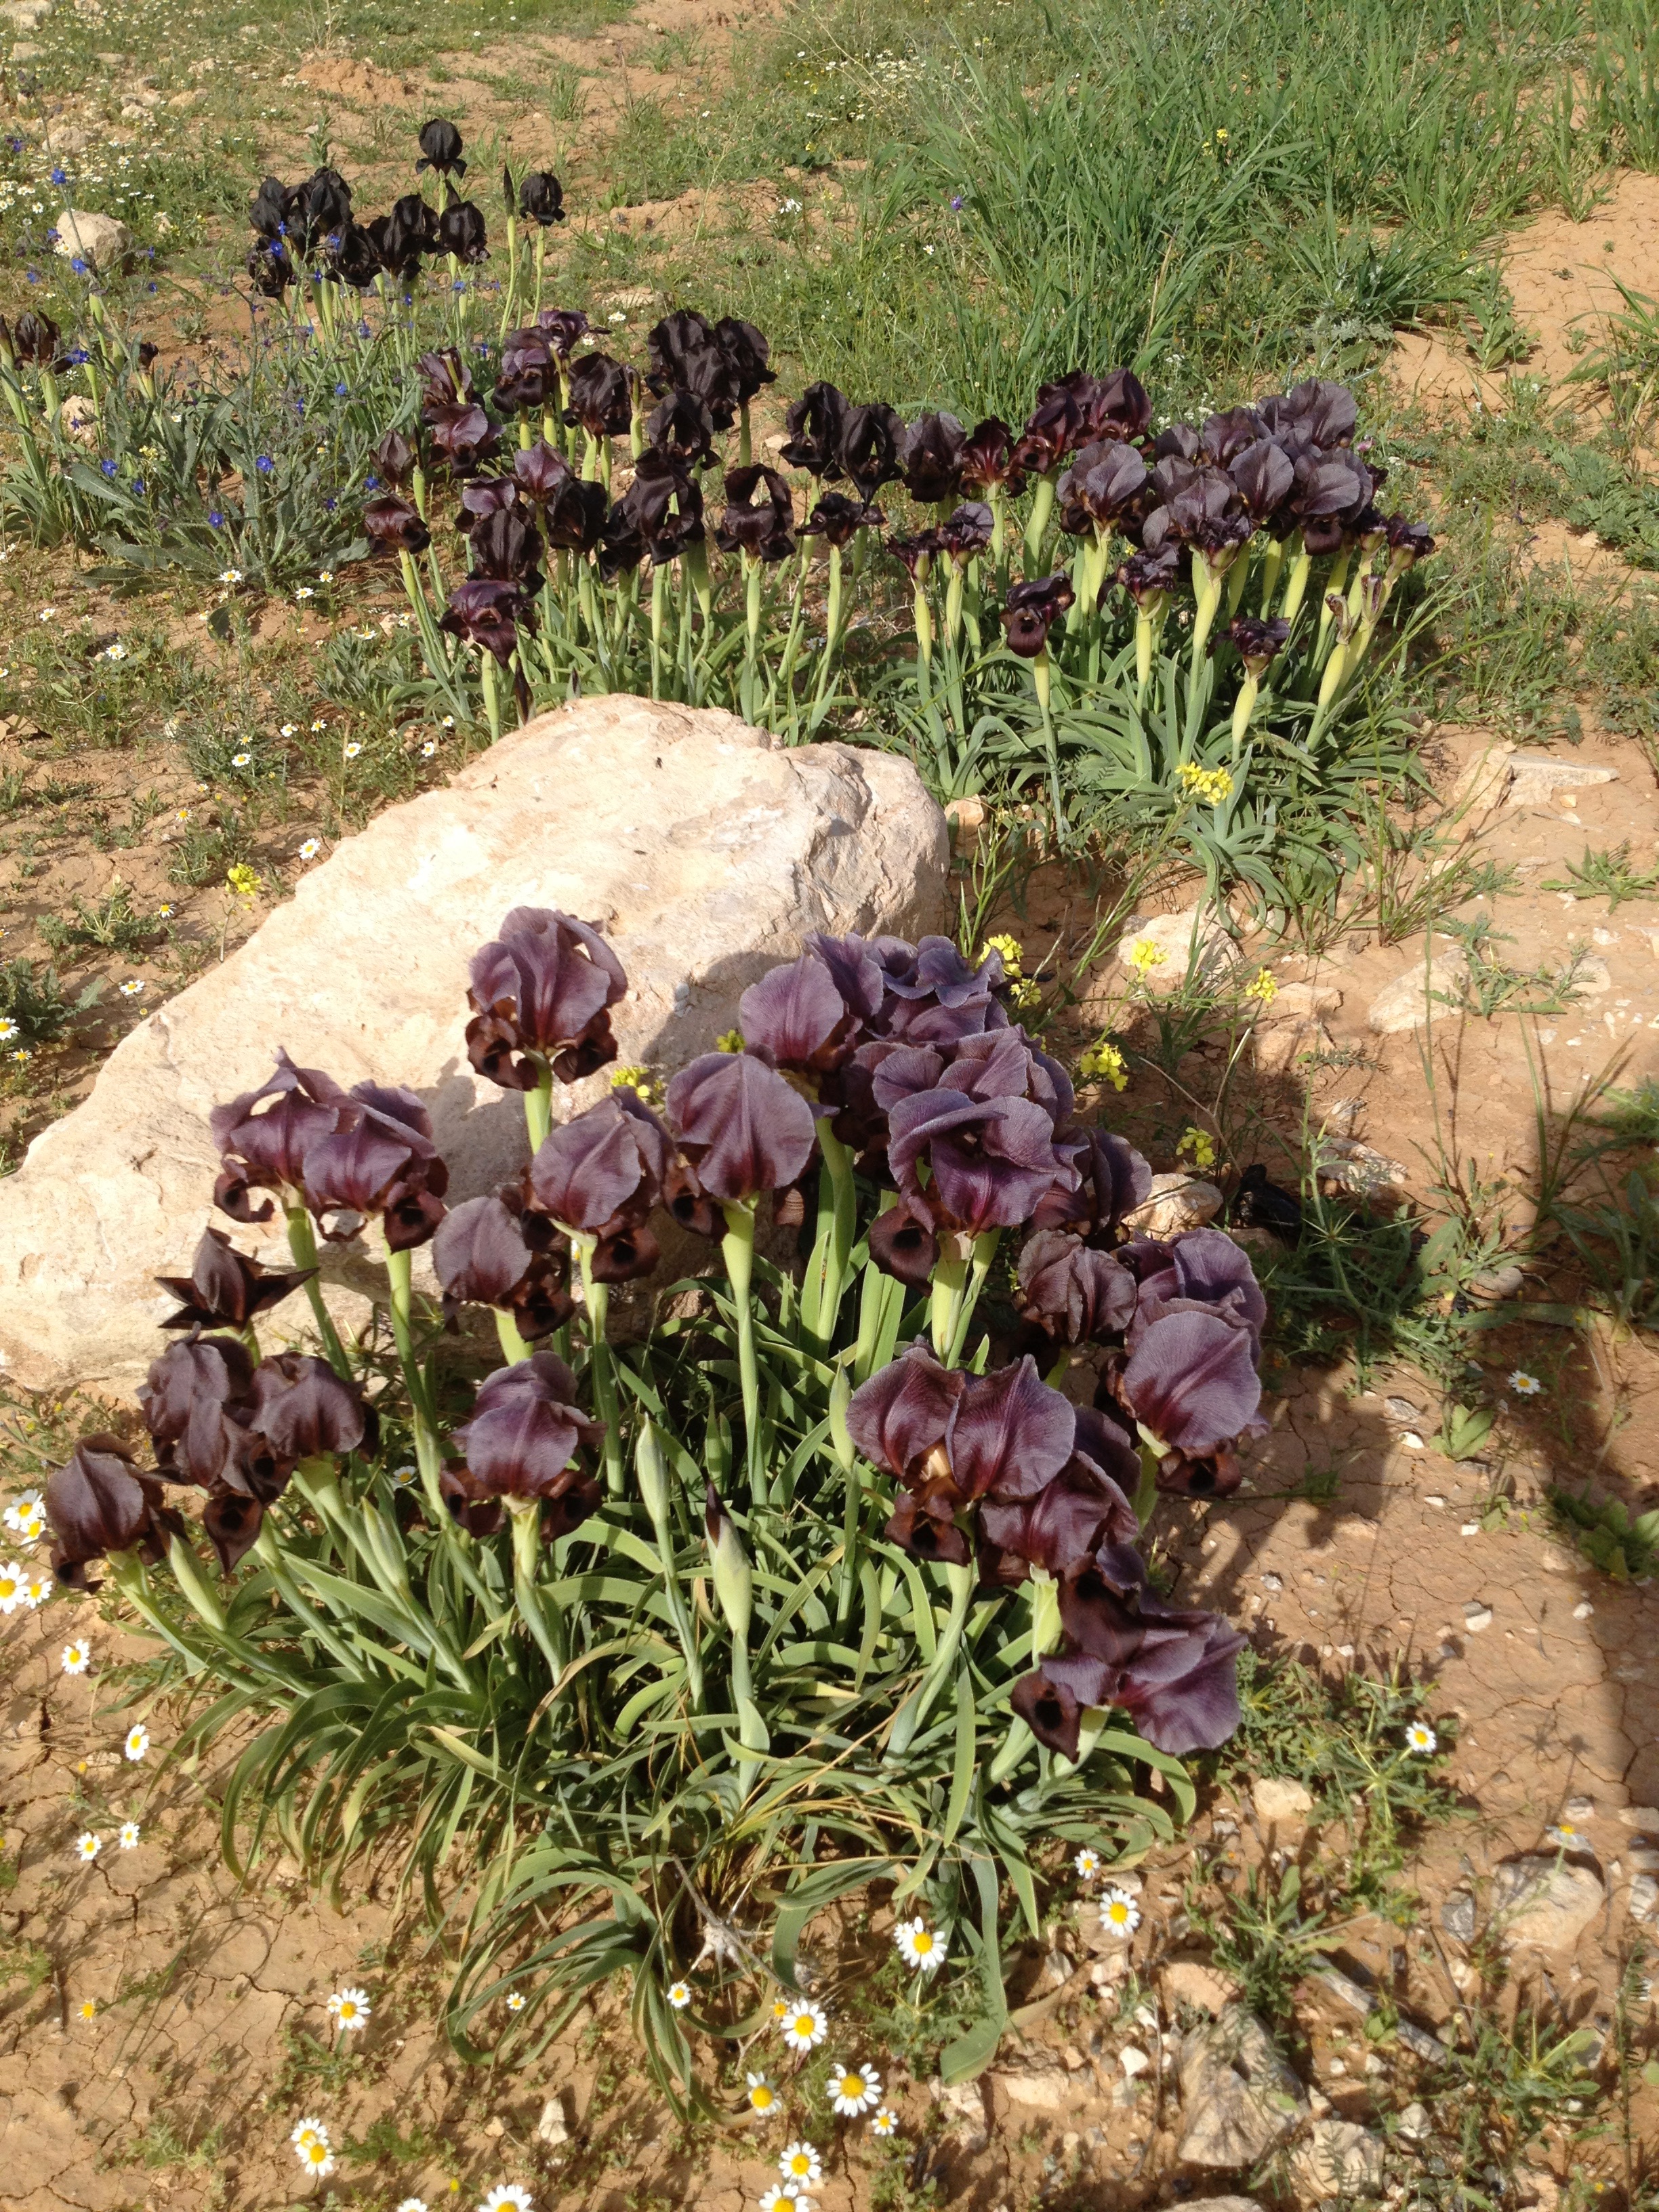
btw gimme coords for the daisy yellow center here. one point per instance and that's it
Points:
(88, 2012)
(852, 2085)
(779, 2011)
(804, 2023)
(8, 1587)
(923, 1941)
(348, 2010)
(800, 2163)
(1118, 1911)
(760, 2098)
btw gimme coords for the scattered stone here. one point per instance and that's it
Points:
(1058, 1969)
(1192, 944)
(1414, 2124)
(1293, 1002)
(1457, 1916)
(1496, 1284)
(1359, 1167)
(1403, 1411)
(965, 2102)
(1548, 1906)
(1174, 1203)
(1409, 1003)
(1204, 1988)
(1592, 978)
(1239, 2098)
(495, 2128)
(1133, 2061)
(1040, 2089)
(1534, 778)
(1644, 1855)
(1639, 1816)
(1643, 1902)
(1278, 1798)
(704, 850)
(1477, 1619)
(79, 419)
(26, 50)
(98, 238)
(26, 14)
(1579, 1808)
(1339, 2157)
(67, 138)
(1582, 1610)
(965, 816)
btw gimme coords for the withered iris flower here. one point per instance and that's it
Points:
(1258, 641)
(760, 515)
(838, 520)
(225, 1289)
(1076, 1294)
(269, 270)
(743, 1128)
(541, 993)
(99, 1503)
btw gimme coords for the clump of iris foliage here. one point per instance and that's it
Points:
(667, 1643)
(1087, 611)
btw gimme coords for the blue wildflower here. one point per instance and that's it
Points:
(371, 483)
(77, 355)
(138, 486)
(340, 391)
(108, 467)
(264, 465)
(60, 176)
(78, 266)
(215, 520)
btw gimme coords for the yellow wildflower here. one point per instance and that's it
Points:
(1198, 1147)
(1261, 987)
(243, 881)
(1146, 954)
(1104, 1063)
(1209, 785)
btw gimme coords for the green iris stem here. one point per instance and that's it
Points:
(752, 1728)
(515, 1349)
(874, 1295)
(1335, 585)
(302, 1243)
(1206, 592)
(953, 587)
(1039, 683)
(737, 1250)
(492, 696)
(1239, 574)
(945, 1295)
(401, 1306)
(1243, 707)
(1018, 1741)
(539, 1108)
(659, 617)
(127, 1572)
(1272, 562)
(826, 1279)
(914, 1710)
(832, 623)
(596, 1303)
(534, 1603)
(924, 622)
(270, 1552)
(1145, 1497)
(653, 1473)
(1296, 589)
(187, 1573)
(1036, 523)
(541, 258)
(985, 1252)
(745, 439)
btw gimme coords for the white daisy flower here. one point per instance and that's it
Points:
(128, 1837)
(88, 1847)
(318, 727)
(805, 2027)
(780, 2197)
(13, 1583)
(919, 1947)
(853, 2090)
(512, 2197)
(1087, 1863)
(352, 750)
(138, 1743)
(116, 652)
(516, 2000)
(36, 1589)
(428, 749)
(289, 729)
(308, 2131)
(449, 721)
(1119, 1913)
(350, 2008)
(403, 1476)
(8, 1030)
(78, 1657)
(230, 575)
(165, 911)
(310, 850)
(801, 2164)
(413, 2204)
(240, 760)
(762, 2097)
(325, 575)
(885, 2122)
(133, 988)
(1420, 1738)
(1524, 1385)
(678, 1994)
(89, 2009)
(316, 2157)
(304, 592)
(26, 1517)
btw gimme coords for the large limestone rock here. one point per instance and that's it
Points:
(1238, 2097)
(704, 851)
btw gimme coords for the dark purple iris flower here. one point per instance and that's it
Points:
(600, 400)
(869, 446)
(967, 532)
(1226, 434)
(682, 426)
(488, 612)
(600, 1173)
(988, 459)
(1332, 491)
(838, 520)
(1197, 506)
(1264, 477)
(929, 456)
(1077, 1295)
(541, 198)
(506, 545)
(528, 374)
(1103, 484)
(760, 515)
(541, 472)
(522, 1441)
(797, 1017)
(1149, 577)
(741, 1126)
(441, 149)
(444, 379)
(382, 1163)
(816, 422)
(1258, 641)
(574, 515)
(663, 505)
(1031, 610)
(304, 1410)
(194, 1403)
(672, 342)
(1191, 1381)
(99, 1503)
(746, 352)
(1317, 411)
(565, 328)
(464, 436)
(542, 992)
(396, 457)
(224, 1289)
(482, 1256)
(265, 1150)
(1113, 1180)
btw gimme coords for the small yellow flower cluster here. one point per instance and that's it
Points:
(1261, 987)
(639, 1079)
(1198, 1148)
(731, 1042)
(243, 881)
(1146, 954)
(1104, 1063)
(1211, 785)
(1023, 991)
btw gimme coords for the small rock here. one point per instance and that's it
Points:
(1414, 2124)
(26, 50)
(1411, 1440)
(1238, 2097)
(1496, 1284)
(1340, 2159)
(1359, 1167)
(26, 14)
(553, 2128)
(1040, 2089)
(1190, 944)
(495, 2128)
(98, 238)
(1477, 1619)
(1133, 2061)
(1218, 2204)
(1639, 1816)
(1592, 978)
(1457, 1916)
(1402, 1410)
(1175, 1202)
(79, 419)
(1190, 1982)
(1534, 778)
(1582, 1610)
(965, 2102)
(1541, 1904)
(1579, 1809)
(1644, 1855)
(1278, 1798)
(777, 442)
(1407, 1003)
(965, 816)
(1300, 1002)
(1643, 1902)
(1058, 1969)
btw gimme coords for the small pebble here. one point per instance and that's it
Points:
(1582, 1610)
(1477, 1617)
(1471, 1528)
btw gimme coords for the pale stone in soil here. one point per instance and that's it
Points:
(1238, 2097)
(1175, 1202)
(1278, 1799)
(99, 238)
(1192, 943)
(1190, 1982)
(705, 852)
(1040, 2089)
(1408, 1002)
(1534, 778)
(1537, 1902)
(1340, 2159)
